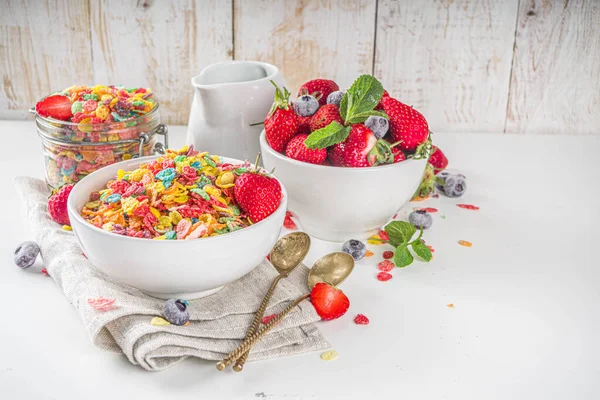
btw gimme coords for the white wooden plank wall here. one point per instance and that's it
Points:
(518, 66)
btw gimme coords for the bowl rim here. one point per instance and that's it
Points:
(263, 143)
(73, 212)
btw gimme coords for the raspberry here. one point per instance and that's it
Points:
(385, 266)
(384, 276)
(361, 320)
(384, 235)
(388, 254)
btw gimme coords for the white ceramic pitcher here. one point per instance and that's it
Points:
(230, 97)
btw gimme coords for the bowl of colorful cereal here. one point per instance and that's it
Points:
(179, 225)
(86, 128)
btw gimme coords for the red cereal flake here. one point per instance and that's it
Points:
(468, 206)
(384, 276)
(45, 272)
(369, 253)
(384, 235)
(388, 254)
(428, 209)
(265, 320)
(361, 320)
(385, 266)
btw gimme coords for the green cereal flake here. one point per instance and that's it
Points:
(222, 231)
(179, 159)
(235, 209)
(90, 96)
(210, 161)
(203, 181)
(233, 227)
(202, 193)
(138, 103)
(224, 220)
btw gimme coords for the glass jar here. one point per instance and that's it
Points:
(74, 150)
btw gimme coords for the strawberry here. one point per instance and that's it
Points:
(360, 149)
(398, 155)
(303, 124)
(379, 106)
(406, 124)
(57, 205)
(329, 302)
(324, 116)
(438, 160)
(56, 106)
(257, 194)
(281, 123)
(319, 87)
(297, 150)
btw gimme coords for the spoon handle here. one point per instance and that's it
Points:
(256, 336)
(239, 365)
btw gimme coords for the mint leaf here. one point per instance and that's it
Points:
(363, 96)
(422, 250)
(344, 106)
(402, 256)
(400, 231)
(362, 117)
(328, 136)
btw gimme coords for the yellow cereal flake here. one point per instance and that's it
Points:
(330, 355)
(159, 321)
(465, 243)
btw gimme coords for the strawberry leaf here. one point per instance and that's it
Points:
(402, 256)
(422, 250)
(362, 97)
(362, 117)
(328, 136)
(400, 231)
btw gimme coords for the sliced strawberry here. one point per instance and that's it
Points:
(329, 302)
(56, 106)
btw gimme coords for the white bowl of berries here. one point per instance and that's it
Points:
(348, 162)
(200, 248)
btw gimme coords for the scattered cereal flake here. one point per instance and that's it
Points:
(375, 239)
(419, 198)
(289, 223)
(265, 320)
(428, 209)
(330, 355)
(45, 272)
(388, 254)
(442, 216)
(369, 253)
(385, 266)
(187, 323)
(384, 276)
(435, 196)
(102, 304)
(451, 305)
(67, 228)
(465, 243)
(468, 206)
(159, 321)
(361, 319)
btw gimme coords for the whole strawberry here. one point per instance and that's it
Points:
(324, 116)
(297, 150)
(379, 105)
(303, 124)
(57, 205)
(281, 124)
(329, 302)
(360, 149)
(406, 124)
(438, 160)
(319, 88)
(257, 194)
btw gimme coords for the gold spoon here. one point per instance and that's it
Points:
(333, 268)
(287, 254)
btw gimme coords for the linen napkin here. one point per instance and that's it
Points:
(218, 322)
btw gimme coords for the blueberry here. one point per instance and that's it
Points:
(421, 219)
(306, 105)
(175, 311)
(335, 98)
(355, 248)
(378, 125)
(26, 254)
(455, 186)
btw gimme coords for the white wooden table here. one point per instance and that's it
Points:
(524, 324)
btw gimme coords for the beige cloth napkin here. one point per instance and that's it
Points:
(218, 322)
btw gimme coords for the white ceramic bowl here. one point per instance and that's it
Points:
(337, 204)
(183, 269)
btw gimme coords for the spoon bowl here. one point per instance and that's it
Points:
(332, 268)
(289, 251)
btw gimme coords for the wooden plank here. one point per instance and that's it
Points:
(44, 47)
(161, 45)
(555, 84)
(449, 59)
(308, 39)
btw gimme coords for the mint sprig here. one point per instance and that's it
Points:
(328, 136)
(400, 234)
(357, 105)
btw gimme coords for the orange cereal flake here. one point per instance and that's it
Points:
(369, 253)
(451, 305)
(465, 243)
(419, 198)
